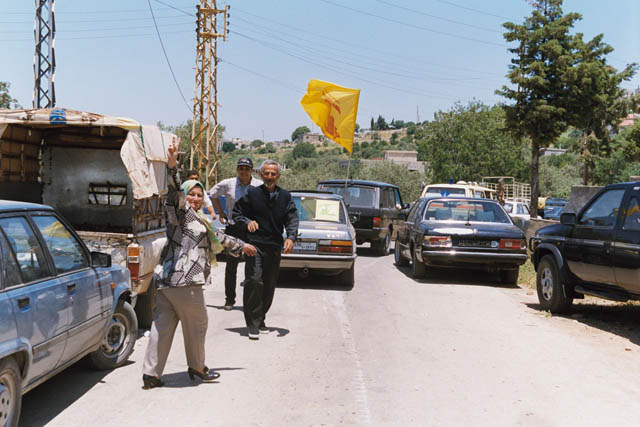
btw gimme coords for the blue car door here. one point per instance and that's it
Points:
(39, 301)
(90, 298)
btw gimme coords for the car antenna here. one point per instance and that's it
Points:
(468, 215)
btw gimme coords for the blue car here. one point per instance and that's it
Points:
(58, 303)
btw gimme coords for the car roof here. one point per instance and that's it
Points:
(318, 194)
(462, 198)
(358, 182)
(11, 205)
(472, 186)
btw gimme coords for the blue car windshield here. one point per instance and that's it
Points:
(465, 210)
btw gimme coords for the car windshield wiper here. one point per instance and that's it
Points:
(468, 216)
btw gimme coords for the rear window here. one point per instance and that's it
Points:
(364, 197)
(463, 210)
(318, 209)
(444, 191)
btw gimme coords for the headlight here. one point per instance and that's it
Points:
(437, 241)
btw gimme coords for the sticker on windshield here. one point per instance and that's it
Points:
(327, 210)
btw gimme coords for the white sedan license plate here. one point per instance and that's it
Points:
(304, 246)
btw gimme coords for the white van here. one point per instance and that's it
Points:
(460, 188)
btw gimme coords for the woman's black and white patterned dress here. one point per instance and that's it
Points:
(185, 257)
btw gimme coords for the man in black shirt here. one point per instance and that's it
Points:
(265, 211)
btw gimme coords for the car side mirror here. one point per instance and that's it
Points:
(406, 206)
(568, 218)
(398, 207)
(100, 259)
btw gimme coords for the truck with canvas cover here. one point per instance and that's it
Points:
(105, 174)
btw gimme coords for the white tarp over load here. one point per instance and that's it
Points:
(143, 151)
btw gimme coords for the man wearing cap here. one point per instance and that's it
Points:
(233, 189)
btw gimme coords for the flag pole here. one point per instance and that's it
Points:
(347, 180)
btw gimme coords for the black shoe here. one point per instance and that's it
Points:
(263, 329)
(228, 306)
(149, 382)
(254, 334)
(208, 375)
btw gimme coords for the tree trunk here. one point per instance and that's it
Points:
(535, 192)
(585, 158)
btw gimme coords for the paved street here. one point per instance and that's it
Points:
(454, 349)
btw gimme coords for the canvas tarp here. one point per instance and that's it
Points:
(62, 116)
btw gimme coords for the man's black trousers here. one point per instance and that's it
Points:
(261, 275)
(231, 267)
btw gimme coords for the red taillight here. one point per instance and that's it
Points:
(512, 244)
(335, 246)
(133, 261)
(376, 221)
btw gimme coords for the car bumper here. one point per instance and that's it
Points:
(488, 259)
(317, 262)
(370, 234)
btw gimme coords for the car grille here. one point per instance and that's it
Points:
(474, 243)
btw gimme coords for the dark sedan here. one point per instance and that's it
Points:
(462, 233)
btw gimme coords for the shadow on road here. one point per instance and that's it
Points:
(451, 276)
(59, 393)
(368, 252)
(622, 319)
(244, 331)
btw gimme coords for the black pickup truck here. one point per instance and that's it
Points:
(594, 252)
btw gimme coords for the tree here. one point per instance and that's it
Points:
(256, 143)
(468, 142)
(381, 124)
(304, 149)
(228, 147)
(373, 124)
(6, 100)
(301, 130)
(270, 148)
(357, 128)
(539, 70)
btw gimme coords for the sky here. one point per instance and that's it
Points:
(409, 58)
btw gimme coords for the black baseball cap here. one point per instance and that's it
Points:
(245, 161)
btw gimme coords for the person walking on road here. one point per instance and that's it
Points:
(184, 267)
(264, 212)
(233, 189)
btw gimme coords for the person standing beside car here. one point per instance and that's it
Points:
(265, 212)
(233, 189)
(184, 267)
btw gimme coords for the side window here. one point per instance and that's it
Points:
(398, 198)
(26, 248)
(392, 198)
(413, 213)
(384, 198)
(604, 210)
(66, 251)
(632, 217)
(11, 271)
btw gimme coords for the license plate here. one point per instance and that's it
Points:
(304, 246)
(474, 243)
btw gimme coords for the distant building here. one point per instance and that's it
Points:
(629, 120)
(551, 151)
(311, 138)
(405, 158)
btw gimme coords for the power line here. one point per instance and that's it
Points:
(95, 29)
(474, 10)
(439, 17)
(116, 36)
(406, 24)
(167, 58)
(175, 8)
(95, 20)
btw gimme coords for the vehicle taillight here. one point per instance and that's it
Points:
(512, 244)
(133, 260)
(335, 246)
(438, 241)
(376, 221)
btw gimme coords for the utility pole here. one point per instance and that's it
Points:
(204, 131)
(44, 61)
(417, 115)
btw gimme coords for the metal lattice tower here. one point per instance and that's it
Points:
(204, 131)
(44, 61)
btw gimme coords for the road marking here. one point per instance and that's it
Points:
(357, 381)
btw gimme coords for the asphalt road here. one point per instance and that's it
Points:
(454, 349)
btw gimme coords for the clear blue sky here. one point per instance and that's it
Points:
(405, 55)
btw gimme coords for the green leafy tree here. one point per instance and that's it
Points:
(381, 123)
(539, 73)
(298, 132)
(270, 148)
(228, 147)
(305, 150)
(373, 124)
(256, 143)
(468, 142)
(357, 128)
(6, 100)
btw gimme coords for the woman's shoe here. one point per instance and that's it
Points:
(149, 381)
(208, 375)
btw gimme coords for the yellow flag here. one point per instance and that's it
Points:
(334, 109)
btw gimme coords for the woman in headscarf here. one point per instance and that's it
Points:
(184, 267)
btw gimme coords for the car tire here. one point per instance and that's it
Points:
(10, 392)
(347, 277)
(381, 247)
(144, 308)
(510, 276)
(119, 339)
(418, 269)
(401, 261)
(551, 291)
